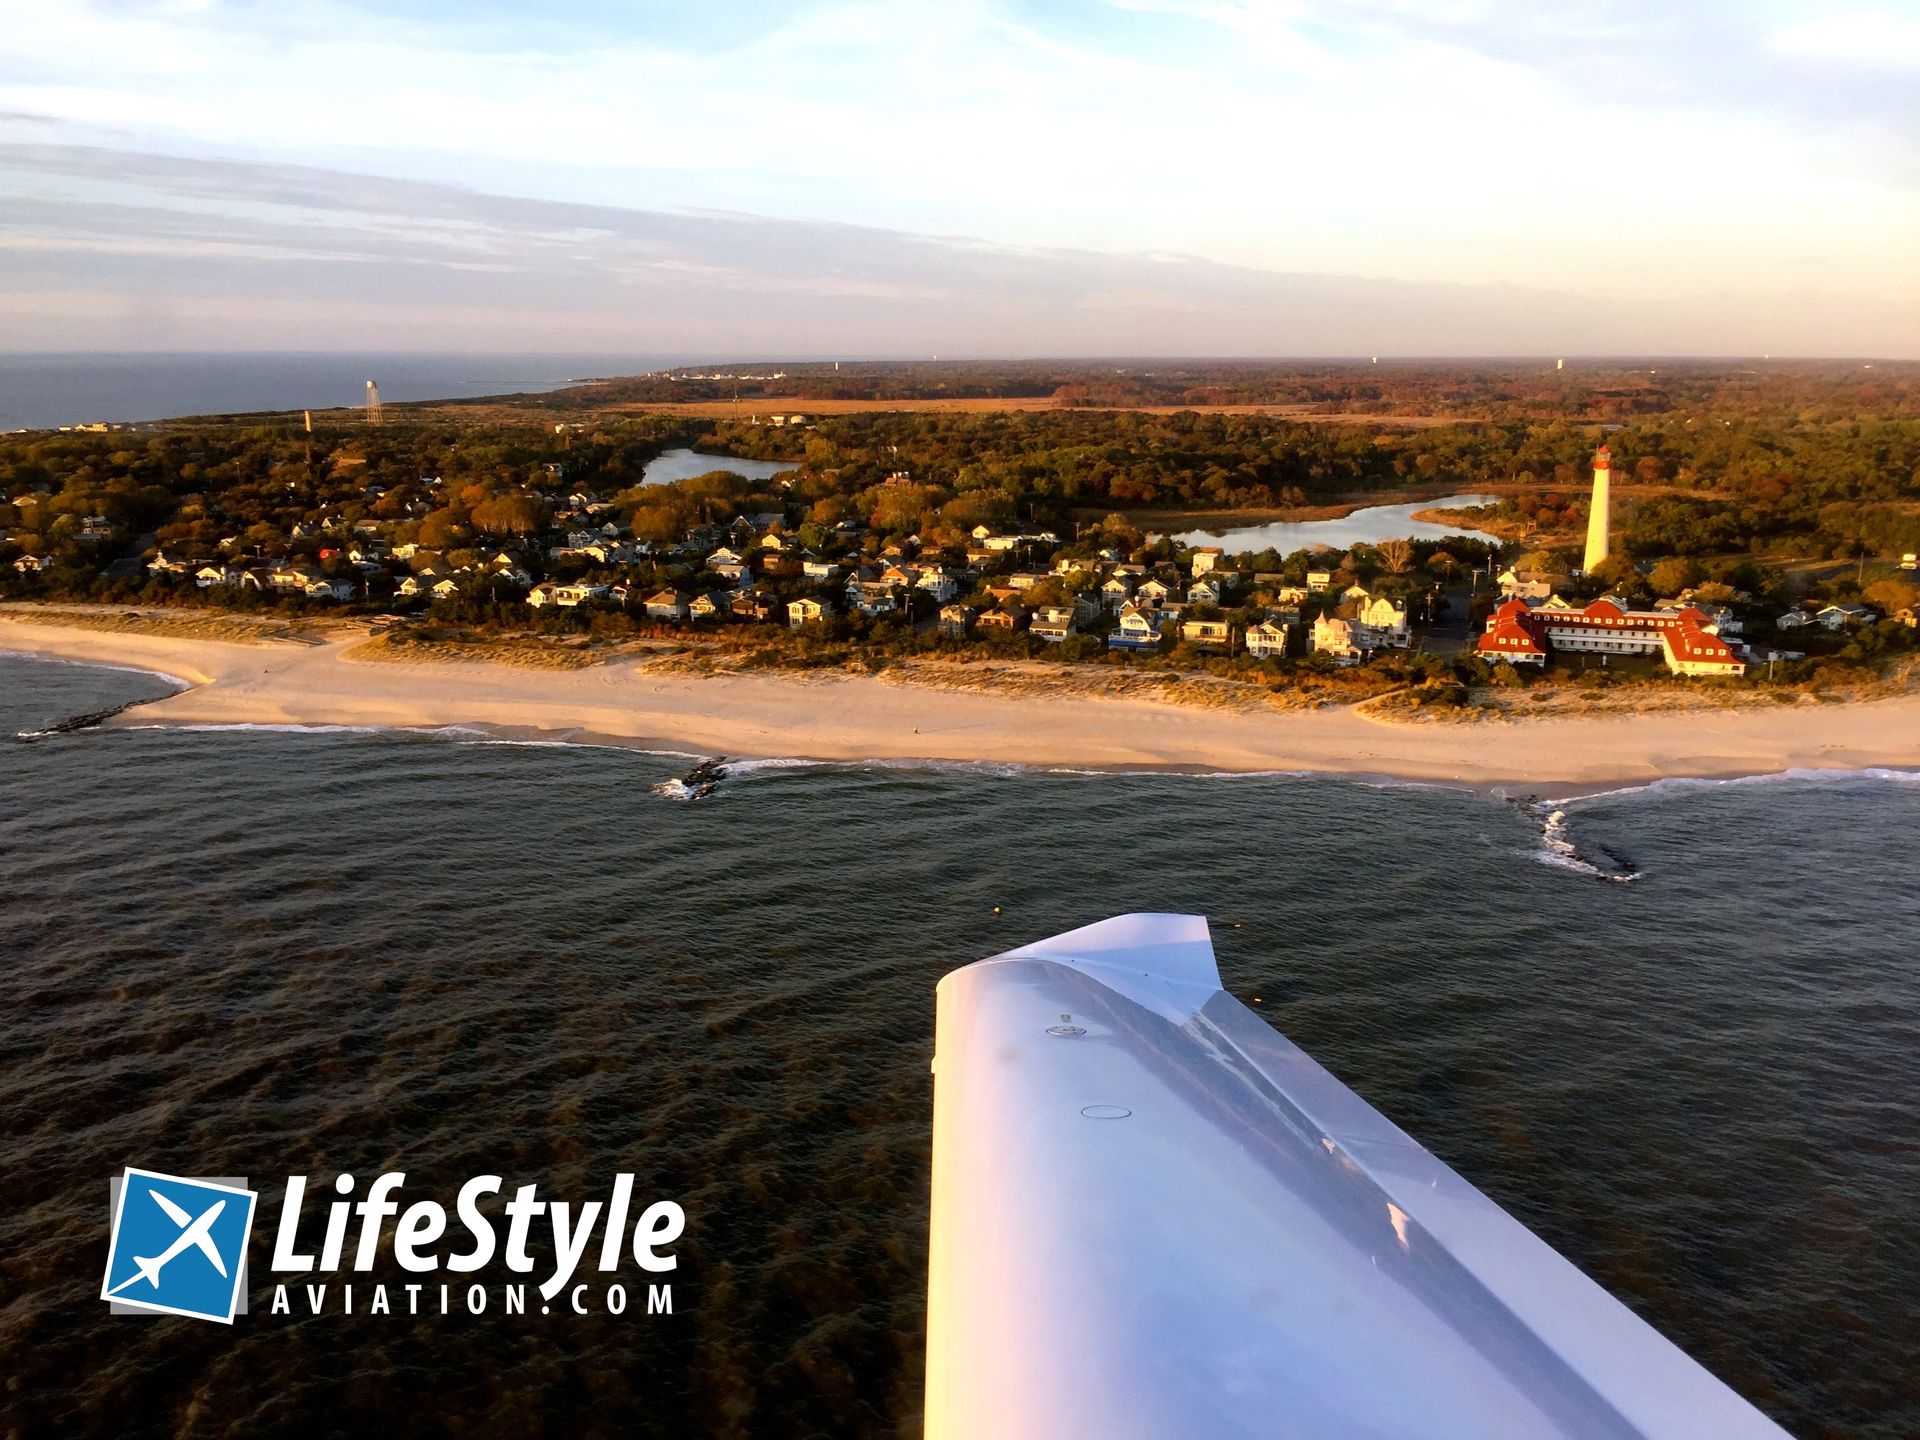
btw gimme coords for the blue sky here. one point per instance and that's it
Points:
(971, 176)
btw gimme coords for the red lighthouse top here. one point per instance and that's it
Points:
(1602, 458)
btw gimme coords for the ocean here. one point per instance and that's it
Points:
(259, 952)
(39, 391)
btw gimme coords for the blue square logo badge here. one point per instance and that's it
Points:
(179, 1246)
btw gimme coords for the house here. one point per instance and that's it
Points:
(668, 604)
(208, 576)
(1214, 636)
(320, 588)
(938, 583)
(1387, 618)
(545, 593)
(1345, 640)
(163, 564)
(1053, 623)
(808, 610)
(1207, 591)
(873, 597)
(1839, 617)
(292, 579)
(1205, 559)
(1138, 629)
(1117, 591)
(1793, 620)
(755, 605)
(1026, 579)
(446, 589)
(1007, 618)
(956, 621)
(1692, 649)
(1267, 640)
(1515, 585)
(710, 606)
(417, 585)
(814, 568)
(1318, 580)
(1910, 561)
(1152, 595)
(32, 564)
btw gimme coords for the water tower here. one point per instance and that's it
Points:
(373, 403)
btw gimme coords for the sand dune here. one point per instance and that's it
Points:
(857, 717)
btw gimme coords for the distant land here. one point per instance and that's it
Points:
(1414, 540)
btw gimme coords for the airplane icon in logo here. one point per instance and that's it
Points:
(178, 1245)
(194, 1231)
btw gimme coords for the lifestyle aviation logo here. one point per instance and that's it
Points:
(178, 1245)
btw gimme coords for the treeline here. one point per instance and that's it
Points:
(1586, 390)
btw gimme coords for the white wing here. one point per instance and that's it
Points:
(174, 1212)
(198, 1234)
(1154, 1219)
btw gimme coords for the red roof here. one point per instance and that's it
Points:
(1512, 632)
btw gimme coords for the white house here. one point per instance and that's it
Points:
(1342, 639)
(1387, 619)
(1052, 623)
(1211, 635)
(807, 610)
(1267, 640)
(1138, 629)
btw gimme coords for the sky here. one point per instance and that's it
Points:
(967, 177)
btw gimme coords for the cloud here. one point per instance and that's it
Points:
(259, 255)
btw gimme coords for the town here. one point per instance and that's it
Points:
(784, 538)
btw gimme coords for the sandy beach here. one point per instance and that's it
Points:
(863, 718)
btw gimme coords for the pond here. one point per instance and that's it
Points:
(684, 464)
(1368, 526)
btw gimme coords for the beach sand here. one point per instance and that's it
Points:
(843, 717)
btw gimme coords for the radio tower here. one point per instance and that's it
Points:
(373, 403)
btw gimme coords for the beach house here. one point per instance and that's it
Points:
(1267, 640)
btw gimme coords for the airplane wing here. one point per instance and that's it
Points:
(199, 1233)
(1155, 1218)
(174, 1212)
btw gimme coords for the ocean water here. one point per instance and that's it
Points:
(261, 952)
(76, 389)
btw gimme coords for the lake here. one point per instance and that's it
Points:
(685, 464)
(1368, 526)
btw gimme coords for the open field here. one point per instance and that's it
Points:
(761, 405)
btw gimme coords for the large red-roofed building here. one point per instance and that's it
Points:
(1523, 634)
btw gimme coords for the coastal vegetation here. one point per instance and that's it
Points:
(526, 529)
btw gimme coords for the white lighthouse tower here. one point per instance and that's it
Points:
(1597, 515)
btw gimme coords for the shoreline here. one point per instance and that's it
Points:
(851, 719)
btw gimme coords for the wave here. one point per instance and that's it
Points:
(1692, 784)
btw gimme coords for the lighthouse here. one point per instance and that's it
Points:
(1597, 514)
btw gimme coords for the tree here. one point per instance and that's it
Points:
(1396, 555)
(1617, 572)
(1674, 574)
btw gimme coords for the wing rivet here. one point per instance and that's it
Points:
(1106, 1112)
